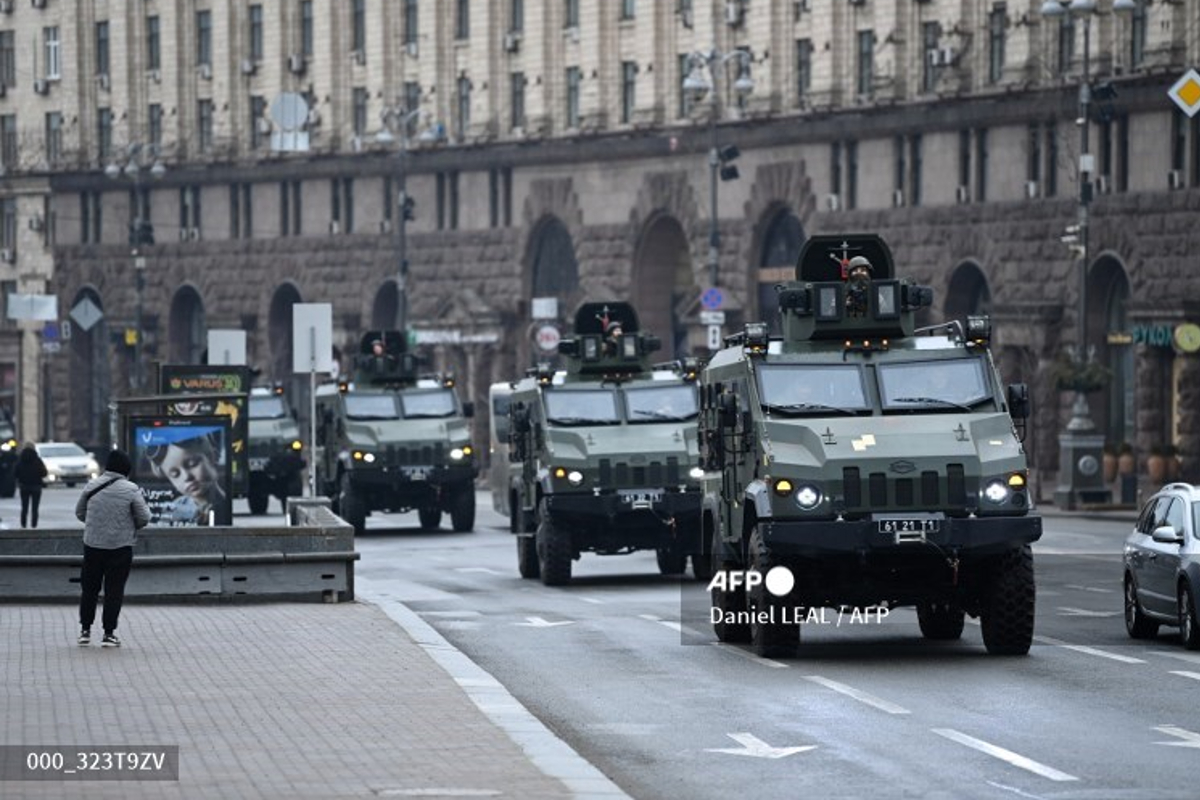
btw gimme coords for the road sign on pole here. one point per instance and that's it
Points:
(712, 299)
(714, 337)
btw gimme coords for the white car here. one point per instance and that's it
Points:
(67, 463)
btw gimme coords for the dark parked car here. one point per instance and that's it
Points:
(1162, 565)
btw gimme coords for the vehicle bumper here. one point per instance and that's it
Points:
(277, 466)
(398, 477)
(961, 536)
(612, 522)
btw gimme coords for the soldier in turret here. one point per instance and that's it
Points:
(858, 284)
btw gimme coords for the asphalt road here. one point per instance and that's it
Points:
(868, 708)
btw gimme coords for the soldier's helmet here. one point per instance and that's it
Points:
(859, 261)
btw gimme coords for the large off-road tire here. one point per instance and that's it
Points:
(1189, 627)
(462, 508)
(1008, 605)
(258, 497)
(553, 551)
(768, 639)
(728, 602)
(352, 507)
(941, 622)
(702, 567)
(430, 517)
(671, 559)
(1137, 624)
(527, 557)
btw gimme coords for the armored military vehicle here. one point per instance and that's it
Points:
(276, 451)
(607, 452)
(880, 465)
(8, 454)
(393, 440)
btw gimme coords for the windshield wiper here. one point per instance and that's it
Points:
(809, 407)
(580, 421)
(934, 401)
(663, 415)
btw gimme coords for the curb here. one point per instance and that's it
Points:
(554, 757)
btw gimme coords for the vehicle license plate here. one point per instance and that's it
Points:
(908, 525)
(640, 497)
(258, 463)
(416, 473)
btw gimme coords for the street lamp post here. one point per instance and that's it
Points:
(701, 80)
(1080, 479)
(396, 123)
(138, 156)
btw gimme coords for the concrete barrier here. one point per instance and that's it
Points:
(309, 558)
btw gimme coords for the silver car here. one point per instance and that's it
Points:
(1162, 565)
(67, 463)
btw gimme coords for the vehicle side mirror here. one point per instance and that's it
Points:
(1165, 534)
(468, 409)
(1018, 400)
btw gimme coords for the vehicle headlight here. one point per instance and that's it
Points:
(457, 454)
(297, 445)
(575, 477)
(996, 492)
(360, 455)
(808, 497)
(9, 445)
(695, 473)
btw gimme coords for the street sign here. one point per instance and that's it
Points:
(712, 299)
(1186, 92)
(714, 337)
(312, 337)
(50, 332)
(712, 317)
(544, 308)
(42, 307)
(548, 338)
(86, 314)
(227, 347)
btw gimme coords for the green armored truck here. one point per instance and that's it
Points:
(607, 452)
(394, 440)
(275, 450)
(856, 463)
(8, 454)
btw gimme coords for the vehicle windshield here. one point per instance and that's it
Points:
(581, 407)
(371, 406)
(934, 385)
(60, 451)
(658, 403)
(267, 408)
(813, 388)
(437, 403)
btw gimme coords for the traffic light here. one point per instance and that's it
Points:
(726, 156)
(408, 206)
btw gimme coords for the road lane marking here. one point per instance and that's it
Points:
(1015, 790)
(593, 600)
(755, 747)
(1091, 651)
(1193, 675)
(1188, 738)
(1083, 588)
(675, 626)
(1007, 756)
(1070, 611)
(538, 622)
(737, 651)
(487, 570)
(1189, 657)
(858, 694)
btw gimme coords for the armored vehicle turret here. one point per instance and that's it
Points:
(880, 465)
(607, 452)
(395, 440)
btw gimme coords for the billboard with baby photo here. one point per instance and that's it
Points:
(183, 466)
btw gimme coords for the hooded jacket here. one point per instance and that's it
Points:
(113, 516)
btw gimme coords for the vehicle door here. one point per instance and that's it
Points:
(1162, 558)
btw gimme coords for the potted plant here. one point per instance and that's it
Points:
(1162, 465)
(1126, 461)
(1110, 462)
(1071, 375)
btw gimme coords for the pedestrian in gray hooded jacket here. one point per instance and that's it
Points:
(112, 511)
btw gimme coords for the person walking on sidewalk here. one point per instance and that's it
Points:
(31, 474)
(112, 511)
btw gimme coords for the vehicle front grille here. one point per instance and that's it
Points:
(934, 491)
(625, 475)
(429, 454)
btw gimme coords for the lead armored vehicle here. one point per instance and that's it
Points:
(881, 465)
(393, 440)
(607, 452)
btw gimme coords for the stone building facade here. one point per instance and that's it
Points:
(551, 150)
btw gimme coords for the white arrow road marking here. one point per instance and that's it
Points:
(1004, 755)
(1091, 651)
(1068, 611)
(675, 626)
(1193, 675)
(737, 651)
(755, 747)
(1096, 589)
(538, 622)
(858, 694)
(1190, 739)
(487, 570)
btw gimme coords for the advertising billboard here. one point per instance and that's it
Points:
(184, 468)
(194, 379)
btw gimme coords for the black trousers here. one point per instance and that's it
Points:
(31, 498)
(110, 569)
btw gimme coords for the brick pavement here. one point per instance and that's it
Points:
(263, 700)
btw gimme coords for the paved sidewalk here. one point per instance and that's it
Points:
(271, 701)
